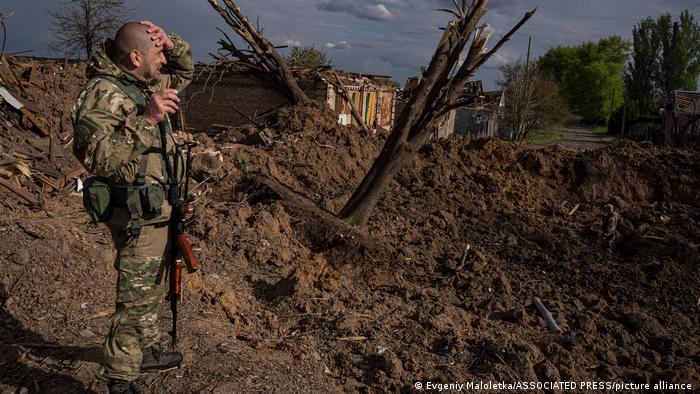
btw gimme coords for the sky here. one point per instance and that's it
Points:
(385, 37)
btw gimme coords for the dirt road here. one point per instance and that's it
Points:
(578, 139)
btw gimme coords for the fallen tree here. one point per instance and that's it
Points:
(438, 92)
(261, 57)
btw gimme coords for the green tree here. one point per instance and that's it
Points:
(307, 57)
(590, 76)
(644, 65)
(658, 66)
(682, 60)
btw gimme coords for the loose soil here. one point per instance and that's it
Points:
(438, 286)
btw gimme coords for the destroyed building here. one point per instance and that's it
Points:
(477, 118)
(234, 97)
(682, 122)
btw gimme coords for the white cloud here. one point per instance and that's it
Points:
(338, 45)
(376, 12)
(292, 43)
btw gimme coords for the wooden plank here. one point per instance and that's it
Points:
(18, 191)
(28, 115)
(45, 179)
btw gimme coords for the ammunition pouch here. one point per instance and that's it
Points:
(144, 201)
(97, 199)
(141, 200)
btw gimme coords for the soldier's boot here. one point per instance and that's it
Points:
(154, 359)
(121, 387)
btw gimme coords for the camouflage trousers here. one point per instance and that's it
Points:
(141, 286)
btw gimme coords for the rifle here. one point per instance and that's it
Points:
(180, 247)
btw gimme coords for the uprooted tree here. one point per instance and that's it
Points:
(439, 91)
(261, 57)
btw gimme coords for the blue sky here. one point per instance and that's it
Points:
(388, 37)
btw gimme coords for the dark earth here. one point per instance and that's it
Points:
(438, 286)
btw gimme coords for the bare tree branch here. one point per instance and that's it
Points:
(436, 93)
(80, 26)
(261, 54)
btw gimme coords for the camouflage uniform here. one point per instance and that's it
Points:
(610, 226)
(110, 136)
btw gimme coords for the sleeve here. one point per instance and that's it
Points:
(109, 135)
(179, 70)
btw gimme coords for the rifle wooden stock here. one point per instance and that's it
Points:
(176, 278)
(185, 248)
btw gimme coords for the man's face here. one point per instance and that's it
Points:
(152, 61)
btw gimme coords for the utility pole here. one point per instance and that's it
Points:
(671, 86)
(612, 101)
(527, 59)
(624, 107)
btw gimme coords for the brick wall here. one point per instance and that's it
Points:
(209, 102)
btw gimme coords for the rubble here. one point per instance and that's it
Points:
(439, 287)
(35, 132)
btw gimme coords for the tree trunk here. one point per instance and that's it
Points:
(395, 154)
(436, 94)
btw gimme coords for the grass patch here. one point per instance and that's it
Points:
(545, 135)
(600, 129)
(611, 139)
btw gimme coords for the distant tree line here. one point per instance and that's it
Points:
(593, 78)
(590, 76)
(661, 63)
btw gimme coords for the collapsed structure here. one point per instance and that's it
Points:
(682, 122)
(233, 96)
(477, 117)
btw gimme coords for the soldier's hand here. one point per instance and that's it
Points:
(161, 102)
(159, 36)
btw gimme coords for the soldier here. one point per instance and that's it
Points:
(610, 225)
(120, 118)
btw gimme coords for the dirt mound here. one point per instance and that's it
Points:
(441, 290)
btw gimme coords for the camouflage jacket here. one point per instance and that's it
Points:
(110, 134)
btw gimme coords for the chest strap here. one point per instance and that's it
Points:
(141, 100)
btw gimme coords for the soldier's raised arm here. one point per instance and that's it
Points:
(179, 69)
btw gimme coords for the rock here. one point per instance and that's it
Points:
(391, 364)
(354, 383)
(229, 302)
(85, 333)
(546, 372)
(21, 257)
(226, 347)
(263, 137)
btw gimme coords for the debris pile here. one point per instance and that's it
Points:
(478, 246)
(35, 130)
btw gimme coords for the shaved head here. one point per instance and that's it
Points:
(131, 36)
